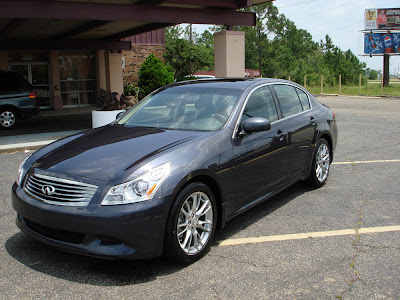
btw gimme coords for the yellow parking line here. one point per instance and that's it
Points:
(306, 235)
(365, 162)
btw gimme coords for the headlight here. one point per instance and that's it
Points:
(22, 170)
(141, 188)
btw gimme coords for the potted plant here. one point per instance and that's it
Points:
(109, 107)
(131, 91)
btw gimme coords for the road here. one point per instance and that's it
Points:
(339, 241)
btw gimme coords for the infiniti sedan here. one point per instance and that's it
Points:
(170, 171)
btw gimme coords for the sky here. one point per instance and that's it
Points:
(341, 19)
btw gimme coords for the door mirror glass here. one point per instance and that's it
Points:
(256, 124)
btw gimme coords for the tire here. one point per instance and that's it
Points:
(320, 165)
(189, 234)
(8, 118)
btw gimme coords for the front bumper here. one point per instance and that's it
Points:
(131, 231)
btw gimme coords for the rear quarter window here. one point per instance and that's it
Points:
(303, 99)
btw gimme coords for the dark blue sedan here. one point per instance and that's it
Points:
(179, 164)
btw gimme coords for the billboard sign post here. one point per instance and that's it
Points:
(382, 35)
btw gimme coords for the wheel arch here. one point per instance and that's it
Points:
(12, 108)
(213, 184)
(328, 138)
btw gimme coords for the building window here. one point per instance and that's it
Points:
(77, 77)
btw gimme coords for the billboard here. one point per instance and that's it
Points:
(382, 18)
(380, 43)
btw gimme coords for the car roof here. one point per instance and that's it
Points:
(232, 83)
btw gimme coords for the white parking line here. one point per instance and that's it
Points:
(306, 235)
(365, 162)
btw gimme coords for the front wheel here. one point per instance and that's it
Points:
(191, 225)
(320, 166)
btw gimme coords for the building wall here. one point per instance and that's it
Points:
(155, 37)
(134, 58)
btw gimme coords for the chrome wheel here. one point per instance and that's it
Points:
(322, 162)
(195, 223)
(7, 118)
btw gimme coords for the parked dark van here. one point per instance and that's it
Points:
(17, 99)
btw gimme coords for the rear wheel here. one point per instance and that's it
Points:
(191, 226)
(8, 118)
(320, 165)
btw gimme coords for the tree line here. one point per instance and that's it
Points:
(275, 46)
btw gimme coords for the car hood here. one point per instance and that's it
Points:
(107, 153)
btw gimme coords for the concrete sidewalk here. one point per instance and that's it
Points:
(46, 128)
(31, 141)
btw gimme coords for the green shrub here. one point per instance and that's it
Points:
(153, 74)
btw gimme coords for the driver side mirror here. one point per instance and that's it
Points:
(255, 124)
(119, 115)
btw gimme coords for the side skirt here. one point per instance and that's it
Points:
(253, 203)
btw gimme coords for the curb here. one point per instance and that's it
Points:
(386, 97)
(24, 146)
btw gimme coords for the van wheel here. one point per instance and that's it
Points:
(8, 118)
(191, 224)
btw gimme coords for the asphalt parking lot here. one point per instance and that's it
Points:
(340, 241)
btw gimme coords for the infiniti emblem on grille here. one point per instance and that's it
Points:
(48, 190)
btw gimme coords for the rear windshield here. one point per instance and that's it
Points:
(10, 82)
(184, 108)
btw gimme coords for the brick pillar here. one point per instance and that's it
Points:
(55, 87)
(229, 53)
(4, 60)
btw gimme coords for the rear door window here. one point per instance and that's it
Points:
(288, 100)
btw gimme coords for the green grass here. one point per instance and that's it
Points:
(371, 89)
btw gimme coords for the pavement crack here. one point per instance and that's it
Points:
(377, 247)
(244, 262)
(358, 249)
(217, 295)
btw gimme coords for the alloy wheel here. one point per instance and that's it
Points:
(322, 162)
(195, 223)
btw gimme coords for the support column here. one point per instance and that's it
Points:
(386, 70)
(101, 70)
(229, 53)
(114, 77)
(4, 60)
(55, 85)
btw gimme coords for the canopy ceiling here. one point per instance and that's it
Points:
(37, 24)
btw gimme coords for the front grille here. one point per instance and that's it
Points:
(59, 191)
(55, 234)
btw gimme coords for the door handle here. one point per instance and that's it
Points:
(281, 135)
(313, 121)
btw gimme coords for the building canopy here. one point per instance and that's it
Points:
(101, 24)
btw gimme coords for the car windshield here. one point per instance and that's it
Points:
(197, 108)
